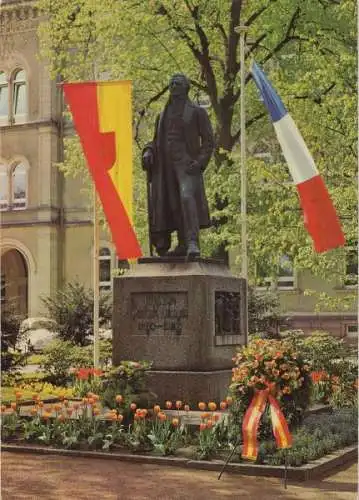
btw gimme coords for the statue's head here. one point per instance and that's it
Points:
(179, 85)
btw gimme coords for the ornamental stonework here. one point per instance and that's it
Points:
(18, 19)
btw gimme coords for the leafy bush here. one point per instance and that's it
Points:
(276, 366)
(59, 356)
(264, 316)
(72, 309)
(129, 380)
(334, 365)
(11, 358)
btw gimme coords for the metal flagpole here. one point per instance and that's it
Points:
(244, 253)
(96, 282)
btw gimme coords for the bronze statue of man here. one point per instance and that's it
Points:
(175, 161)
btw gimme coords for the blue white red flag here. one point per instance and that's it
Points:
(320, 217)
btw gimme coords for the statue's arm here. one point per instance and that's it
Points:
(207, 139)
(149, 152)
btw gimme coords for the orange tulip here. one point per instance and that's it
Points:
(202, 426)
(33, 411)
(229, 400)
(223, 405)
(119, 399)
(96, 411)
(162, 416)
(96, 397)
(209, 424)
(35, 396)
(215, 417)
(61, 417)
(91, 401)
(57, 407)
(179, 405)
(175, 422)
(46, 415)
(18, 395)
(202, 406)
(168, 405)
(212, 406)
(69, 411)
(120, 417)
(156, 409)
(13, 406)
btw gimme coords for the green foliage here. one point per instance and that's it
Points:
(164, 435)
(297, 43)
(11, 358)
(72, 309)
(264, 315)
(128, 380)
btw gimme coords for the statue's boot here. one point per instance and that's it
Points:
(179, 251)
(193, 249)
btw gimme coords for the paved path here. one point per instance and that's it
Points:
(48, 477)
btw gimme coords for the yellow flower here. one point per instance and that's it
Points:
(202, 406)
(212, 406)
(175, 422)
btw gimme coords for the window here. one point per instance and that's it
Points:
(351, 274)
(286, 274)
(19, 104)
(351, 330)
(4, 188)
(105, 269)
(4, 97)
(19, 187)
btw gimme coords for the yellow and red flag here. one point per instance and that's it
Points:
(251, 422)
(102, 115)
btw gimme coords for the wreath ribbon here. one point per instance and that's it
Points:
(251, 422)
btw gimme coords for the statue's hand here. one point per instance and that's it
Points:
(147, 160)
(194, 168)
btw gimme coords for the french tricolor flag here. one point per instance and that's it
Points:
(320, 216)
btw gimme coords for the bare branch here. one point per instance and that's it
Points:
(143, 111)
(255, 15)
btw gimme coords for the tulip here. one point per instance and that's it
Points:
(209, 424)
(33, 411)
(212, 406)
(120, 417)
(96, 411)
(156, 409)
(168, 405)
(202, 406)
(202, 426)
(186, 408)
(229, 400)
(175, 422)
(13, 406)
(18, 395)
(91, 401)
(215, 417)
(3, 408)
(223, 405)
(61, 418)
(46, 415)
(162, 416)
(133, 406)
(178, 405)
(119, 399)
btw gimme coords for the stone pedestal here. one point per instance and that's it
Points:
(185, 317)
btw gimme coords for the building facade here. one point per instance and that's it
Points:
(46, 223)
(46, 227)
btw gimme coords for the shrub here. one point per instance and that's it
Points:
(11, 358)
(264, 316)
(335, 368)
(274, 365)
(72, 309)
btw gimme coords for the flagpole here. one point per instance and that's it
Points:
(244, 253)
(96, 283)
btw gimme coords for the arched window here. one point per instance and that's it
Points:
(19, 97)
(19, 187)
(4, 188)
(4, 97)
(105, 268)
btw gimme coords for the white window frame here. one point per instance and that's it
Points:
(354, 330)
(4, 119)
(6, 207)
(105, 285)
(12, 184)
(19, 117)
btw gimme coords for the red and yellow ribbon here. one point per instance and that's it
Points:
(251, 422)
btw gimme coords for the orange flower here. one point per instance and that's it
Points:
(61, 397)
(120, 417)
(133, 406)
(35, 397)
(209, 424)
(33, 411)
(156, 409)
(204, 416)
(286, 376)
(61, 417)
(175, 422)
(69, 411)
(96, 397)
(91, 401)
(46, 415)
(275, 372)
(162, 416)
(168, 405)
(85, 401)
(95, 411)
(18, 395)
(212, 406)
(229, 400)
(119, 399)
(202, 406)
(144, 412)
(202, 426)
(66, 402)
(57, 407)
(215, 417)
(186, 408)
(223, 405)
(286, 390)
(179, 405)
(13, 406)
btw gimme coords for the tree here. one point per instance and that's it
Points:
(300, 43)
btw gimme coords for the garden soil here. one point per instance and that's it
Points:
(49, 477)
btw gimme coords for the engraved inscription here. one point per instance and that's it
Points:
(227, 313)
(158, 313)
